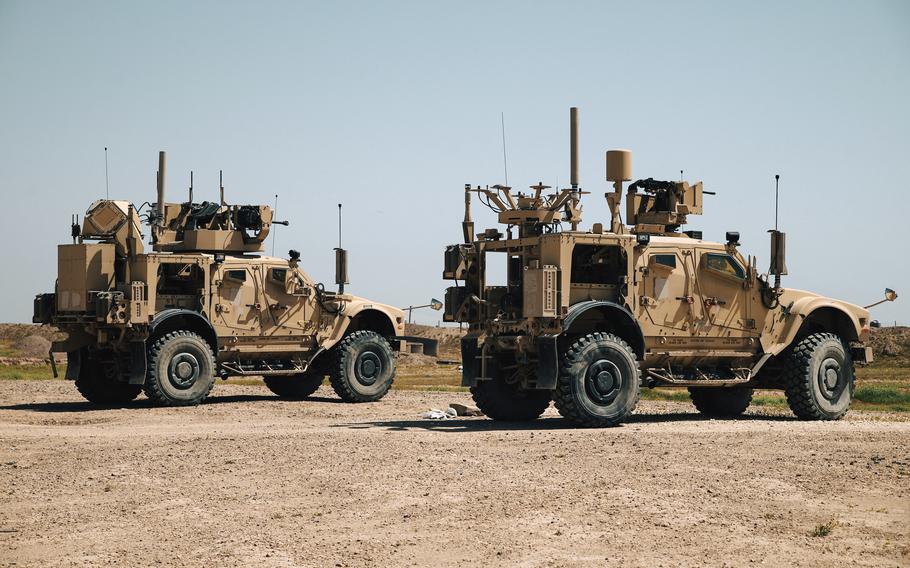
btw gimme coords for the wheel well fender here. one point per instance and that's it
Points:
(179, 319)
(372, 320)
(816, 316)
(604, 316)
(830, 319)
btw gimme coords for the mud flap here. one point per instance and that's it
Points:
(73, 364)
(470, 362)
(548, 362)
(137, 362)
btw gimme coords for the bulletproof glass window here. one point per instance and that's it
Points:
(725, 264)
(179, 279)
(668, 260)
(280, 275)
(596, 264)
(236, 275)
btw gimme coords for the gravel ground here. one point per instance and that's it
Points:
(248, 480)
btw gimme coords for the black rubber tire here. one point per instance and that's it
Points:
(499, 400)
(166, 357)
(363, 368)
(294, 387)
(98, 385)
(819, 378)
(587, 393)
(721, 401)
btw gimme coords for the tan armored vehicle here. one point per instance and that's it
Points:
(585, 317)
(204, 304)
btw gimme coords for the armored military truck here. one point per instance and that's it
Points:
(203, 303)
(586, 317)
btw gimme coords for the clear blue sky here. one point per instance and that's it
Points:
(391, 107)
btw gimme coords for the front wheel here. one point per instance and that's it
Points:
(364, 367)
(181, 369)
(819, 378)
(599, 381)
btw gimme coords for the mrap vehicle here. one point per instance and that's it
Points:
(586, 317)
(204, 304)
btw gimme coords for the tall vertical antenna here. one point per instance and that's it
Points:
(776, 193)
(505, 164)
(339, 225)
(274, 229)
(573, 147)
(191, 187)
(221, 185)
(107, 188)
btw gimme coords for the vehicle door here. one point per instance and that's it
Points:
(291, 307)
(236, 301)
(723, 298)
(666, 292)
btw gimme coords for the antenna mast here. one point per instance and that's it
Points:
(274, 229)
(505, 164)
(107, 188)
(776, 195)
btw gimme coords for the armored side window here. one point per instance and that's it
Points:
(725, 264)
(280, 275)
(595, 264)
(668, 260)
(236, 275)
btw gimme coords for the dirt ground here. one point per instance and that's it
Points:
(248, 480)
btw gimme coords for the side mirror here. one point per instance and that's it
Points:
(890, 296)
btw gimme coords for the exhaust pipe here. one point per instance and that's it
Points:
(162, 158)
(573, 146)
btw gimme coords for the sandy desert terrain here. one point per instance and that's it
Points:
(248, 480)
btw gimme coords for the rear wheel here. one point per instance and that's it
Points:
(599, 381)
(719, 401)
(181, 369)
(508, 402)
(819, 378)
(364, 367)
(99, 382)
(294, 387)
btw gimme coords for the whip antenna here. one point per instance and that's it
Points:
(107, 189)
(776, 193)
(274, 229)
(505, 164)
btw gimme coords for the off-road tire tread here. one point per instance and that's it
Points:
(151, 388)
(336, 376)
(97, 392)
(798, 383)
(497, 406)
(294, 387)
(711, 402)
(562, 396)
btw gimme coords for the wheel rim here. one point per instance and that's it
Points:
(830, 379)
(369, 368)
(183, 370)
(603, 382)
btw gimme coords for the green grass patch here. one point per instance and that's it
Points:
(7, 350)
(30, 372)
(674, 395)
